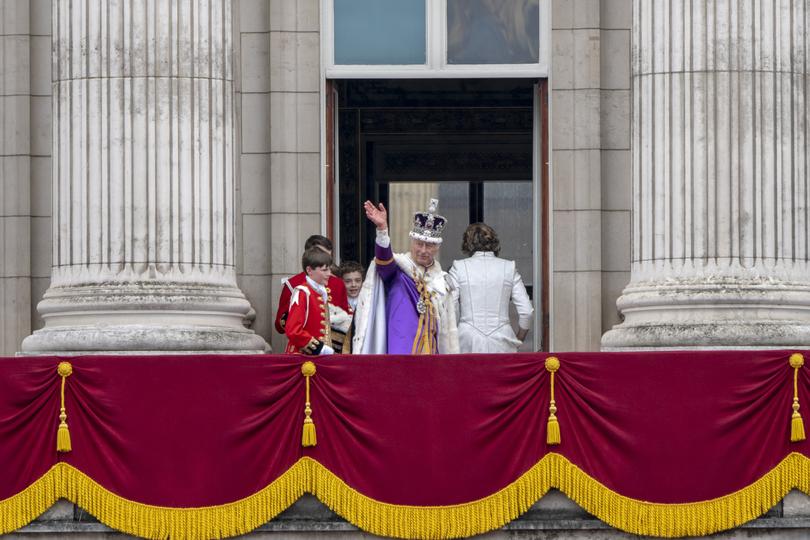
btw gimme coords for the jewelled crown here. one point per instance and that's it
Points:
(428, 226)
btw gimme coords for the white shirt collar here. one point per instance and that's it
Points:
(320, 289)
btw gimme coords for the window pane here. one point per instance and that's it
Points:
(405, 198)
(493, 31)
(379, 32)
(508, 210)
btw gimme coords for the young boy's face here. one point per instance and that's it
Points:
(353, 281)
(319, 275)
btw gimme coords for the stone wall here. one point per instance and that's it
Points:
(15, 166)
(590, 138)
(281, 185)
(25, 166)
(253, 140)
(616, 23)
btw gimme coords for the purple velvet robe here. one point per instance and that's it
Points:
(401, 295)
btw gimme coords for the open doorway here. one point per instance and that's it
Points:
(473, 144)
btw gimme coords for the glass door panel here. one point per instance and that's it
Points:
(405, 198)
(507, 208)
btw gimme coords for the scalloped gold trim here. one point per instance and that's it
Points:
(554, 470)
(402, 521)
(63, 481)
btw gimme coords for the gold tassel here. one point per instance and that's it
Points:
(796, 422)
(553, 429)
(64, 369)
(308, 437)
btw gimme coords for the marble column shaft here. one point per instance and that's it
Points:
(143, 201)
(720, 176)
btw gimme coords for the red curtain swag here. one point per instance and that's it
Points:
(666, 444)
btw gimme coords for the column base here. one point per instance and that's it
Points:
(144, 317)
(707, 336)
(143, 339)
(721, 313)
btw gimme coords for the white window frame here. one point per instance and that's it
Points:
(436, 65)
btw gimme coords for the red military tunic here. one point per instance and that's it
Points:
(335, 288)
(308, 324)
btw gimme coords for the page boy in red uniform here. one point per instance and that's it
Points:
(308, 323)
(335, 288)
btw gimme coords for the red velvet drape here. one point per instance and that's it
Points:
(190, 431)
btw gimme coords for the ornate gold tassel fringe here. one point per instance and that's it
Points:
(308, 437)
(553, 430)
(554, 470)
(63, 434)
(402, 521)
(147, 521)
(796, 423)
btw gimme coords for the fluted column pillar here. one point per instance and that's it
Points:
(720, 176)
(143, 194)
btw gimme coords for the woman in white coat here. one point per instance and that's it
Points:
(485, 284)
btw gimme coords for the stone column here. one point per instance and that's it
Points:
(143, 201)
(720, 176)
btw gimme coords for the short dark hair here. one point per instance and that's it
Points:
(315, 258)
(318, 240)
(480, 237)
(351, 266)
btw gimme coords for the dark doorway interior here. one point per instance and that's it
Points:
(468, 142)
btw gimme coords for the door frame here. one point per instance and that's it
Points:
(541, 215)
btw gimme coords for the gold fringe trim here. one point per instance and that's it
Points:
(554, 470)
(63, 481)
(26, 506)
(686, 519)
(461, 520)
(456, 521)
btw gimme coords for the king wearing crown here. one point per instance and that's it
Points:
(405, 305)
